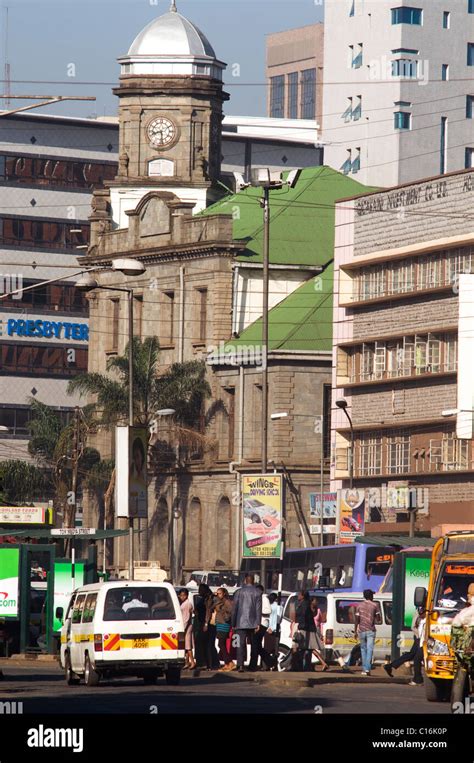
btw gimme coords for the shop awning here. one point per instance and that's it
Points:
(44, 533)
(396, 540)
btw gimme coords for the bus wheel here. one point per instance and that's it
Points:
(70, 677)
(91, 676)
(437, 690)
(173, 676)
(460, 686)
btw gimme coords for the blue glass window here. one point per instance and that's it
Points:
(308, 93)
(402, 120)
(277, 96)
(444, 72)
(293, 95)
(404, 67)
(469, 106)
(406, 15)
(470, 53)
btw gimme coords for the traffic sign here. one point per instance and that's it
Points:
(67, 531)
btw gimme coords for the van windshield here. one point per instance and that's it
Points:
(225, 579)
(451, 593)
(139, 604)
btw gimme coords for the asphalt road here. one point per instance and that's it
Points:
(42, 689)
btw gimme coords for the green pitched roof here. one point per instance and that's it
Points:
(301, 218)
(302, 321)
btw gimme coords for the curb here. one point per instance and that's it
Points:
(298, 679)
(25, 658)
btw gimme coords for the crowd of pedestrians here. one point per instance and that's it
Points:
(219, 631)
(251, 619)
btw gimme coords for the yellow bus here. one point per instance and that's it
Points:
(452, 570)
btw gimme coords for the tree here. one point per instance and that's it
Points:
(56, 445)
(183, 387)
(21, 482)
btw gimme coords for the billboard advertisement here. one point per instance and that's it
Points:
(63, 586)
(9, 582)
(329, 505)
(417, 573)
(131, 472)
(262, 503)
(351, 514)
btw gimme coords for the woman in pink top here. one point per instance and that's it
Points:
(187, 613)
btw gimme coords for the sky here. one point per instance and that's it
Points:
(45, 38)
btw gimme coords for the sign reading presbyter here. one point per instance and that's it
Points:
(262, 501)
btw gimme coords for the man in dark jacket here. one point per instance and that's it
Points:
(246, 617)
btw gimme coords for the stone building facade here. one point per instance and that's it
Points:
(402, 328)
(169, 169)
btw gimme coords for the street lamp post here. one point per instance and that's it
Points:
(88, 283)
(262, 178)
(342, 404)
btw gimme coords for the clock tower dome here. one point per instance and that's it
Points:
(171, 96)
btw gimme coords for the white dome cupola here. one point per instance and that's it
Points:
(171, 45)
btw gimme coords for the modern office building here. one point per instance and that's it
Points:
(48, 165)
(399, 101)
(403, 352)
(294, 73)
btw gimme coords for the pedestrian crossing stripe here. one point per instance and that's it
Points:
(169, 640)
(112, 642)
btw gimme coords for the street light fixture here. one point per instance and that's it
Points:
(454, 411)
(342, 404)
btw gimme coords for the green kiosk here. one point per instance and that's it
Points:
(36, 578)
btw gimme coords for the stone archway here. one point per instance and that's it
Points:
(224, 533)
(158, 534)
(193, 535)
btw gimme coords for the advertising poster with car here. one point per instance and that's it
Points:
(9, 582)
(262, 501)
(351, 514)
(63, 586)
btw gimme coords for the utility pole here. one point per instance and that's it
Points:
(266, 282)
(71, 520)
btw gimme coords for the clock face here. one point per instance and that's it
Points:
(161, 132)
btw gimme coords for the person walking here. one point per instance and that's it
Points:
(203, 602)
(246, 617)
(415, 654)
(272, 636)
(257, 648)
(187, 612)
(365, 619)
(305, 636)
(223, 612)
(318, 621)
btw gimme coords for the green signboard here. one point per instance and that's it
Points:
(9, 582)
(417, 573)
(63, 586)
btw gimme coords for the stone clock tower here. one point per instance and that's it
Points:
(171, 97)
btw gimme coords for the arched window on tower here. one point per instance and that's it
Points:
(193, 534)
